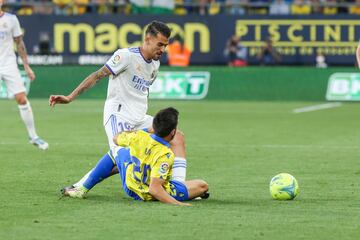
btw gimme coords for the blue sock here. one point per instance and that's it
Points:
(100, 172)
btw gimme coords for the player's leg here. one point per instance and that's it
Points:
(113, 125)
(15, 86)
(177, 146)
(101, 171)
(183, 191)
(122, 158)
(197, 188)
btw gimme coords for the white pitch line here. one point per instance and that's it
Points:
(317, 107)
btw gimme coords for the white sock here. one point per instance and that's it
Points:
(179, 169)
(28, 118)
(82, 180)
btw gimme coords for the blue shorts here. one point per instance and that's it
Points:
(123, 159)
(179, 191)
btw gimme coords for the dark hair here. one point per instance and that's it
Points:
(178, 38)
(156, 27)
(165, 121)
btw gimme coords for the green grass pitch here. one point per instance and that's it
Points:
(235, 146)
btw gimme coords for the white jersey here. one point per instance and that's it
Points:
(9, 29)
(129, 84)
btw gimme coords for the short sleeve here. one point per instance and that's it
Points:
(118, 62)
(16, 30)
(162, 167)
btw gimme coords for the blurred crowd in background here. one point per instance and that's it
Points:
(183, 7)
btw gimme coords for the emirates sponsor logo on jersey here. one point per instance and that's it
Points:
(141, 84)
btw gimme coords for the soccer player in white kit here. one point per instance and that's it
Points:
(9, 72)
(131, 71)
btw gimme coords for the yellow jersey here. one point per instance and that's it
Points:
(150, 156)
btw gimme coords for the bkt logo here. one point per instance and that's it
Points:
(344, 86)
(180, 85)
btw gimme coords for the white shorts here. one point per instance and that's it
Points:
(12, 79)
(116, 124)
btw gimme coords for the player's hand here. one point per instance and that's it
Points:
(184, 204)
(29, 72)
(61, 99)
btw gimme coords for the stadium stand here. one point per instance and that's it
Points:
(183, 7)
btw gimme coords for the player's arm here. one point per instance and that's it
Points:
(87, 83)
(358, 55)
(157, 191)
(21, 49)
(123, 139)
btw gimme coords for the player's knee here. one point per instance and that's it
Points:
(179, 139)
(204, 186)
(21, 99)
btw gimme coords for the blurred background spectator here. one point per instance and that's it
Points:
(300, 7)
(236, 7)
(44, 7)
(321, 61)
(25, 7)
(103, 6)
(268, 54)
(44, 46)
(79, 7)
(279, 7)
(62, 7)
(258, 7)
(316, 7)
(355, 9)
(178, 53)
(235, 53)
(330, 7)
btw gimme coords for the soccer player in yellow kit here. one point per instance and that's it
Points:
(145, 164)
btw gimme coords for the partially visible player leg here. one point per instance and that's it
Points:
(178, 147)
(122, 158)
(184, 191)
(113, 126)
(101, 171)
(27, 116)
(197, 188)
(16, 87)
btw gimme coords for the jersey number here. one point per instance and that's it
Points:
(137, 169)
